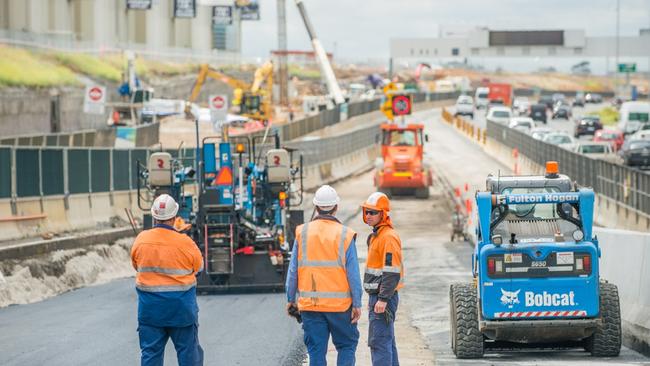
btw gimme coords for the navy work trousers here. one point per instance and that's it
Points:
(317, 328)
(185, 339)
(381, 335)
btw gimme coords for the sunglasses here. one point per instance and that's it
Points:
(371, 212)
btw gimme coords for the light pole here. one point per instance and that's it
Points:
(618, 20)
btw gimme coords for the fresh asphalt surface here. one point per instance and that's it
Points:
(97, 325)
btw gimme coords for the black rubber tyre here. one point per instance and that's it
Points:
(422, 192)
(606, 341)
(466, 340)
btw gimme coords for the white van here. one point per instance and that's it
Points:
(632, 116)
(481, 97)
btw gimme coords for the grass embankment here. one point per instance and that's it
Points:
(608, 116)
(19, 67)
(89, 65)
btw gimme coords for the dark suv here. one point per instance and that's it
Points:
(588, 125)
(538, 112)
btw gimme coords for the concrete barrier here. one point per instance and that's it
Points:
(608, 212)
(625, 262)
(331, 171)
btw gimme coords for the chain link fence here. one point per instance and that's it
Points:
(627, 185)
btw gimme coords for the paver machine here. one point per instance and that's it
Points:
(401, 169)
(241, 208)
(536, 273)
(248, 208)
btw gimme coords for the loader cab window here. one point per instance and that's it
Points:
(402, 138)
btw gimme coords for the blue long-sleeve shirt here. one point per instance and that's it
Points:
(351, 270)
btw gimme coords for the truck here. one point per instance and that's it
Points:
(536, 280)
(401, 169)
(500, 93)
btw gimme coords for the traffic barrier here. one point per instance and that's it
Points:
(624, 262)
(80, 188)
(622, 199)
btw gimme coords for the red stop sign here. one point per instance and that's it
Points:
(95, 94)
(218, 102)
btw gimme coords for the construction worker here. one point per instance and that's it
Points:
(323, 281)
(167, 263)
(382, 279)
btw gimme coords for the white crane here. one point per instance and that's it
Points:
(321, 57)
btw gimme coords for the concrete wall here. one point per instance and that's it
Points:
(625, 262)
(56, 214)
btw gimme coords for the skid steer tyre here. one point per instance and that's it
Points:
(466, 340)
(422, 192)
(606, 341)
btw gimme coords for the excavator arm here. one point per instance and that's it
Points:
(204, 72)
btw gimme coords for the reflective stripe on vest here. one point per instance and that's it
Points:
(169, 271)
(325, 295)
(166, 288)
(308, 263)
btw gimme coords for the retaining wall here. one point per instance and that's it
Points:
(625, 262)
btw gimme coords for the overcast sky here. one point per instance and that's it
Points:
(355, 29)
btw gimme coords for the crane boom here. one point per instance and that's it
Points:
(321, 57)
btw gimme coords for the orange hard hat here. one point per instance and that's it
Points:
(378, 202)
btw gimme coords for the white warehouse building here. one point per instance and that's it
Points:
(486, 44)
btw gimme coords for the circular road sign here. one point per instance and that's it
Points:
(218, 102)
(401, 105)
(95, 94)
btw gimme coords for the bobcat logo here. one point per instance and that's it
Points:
(510, 298)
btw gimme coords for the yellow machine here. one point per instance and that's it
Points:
(254, 101)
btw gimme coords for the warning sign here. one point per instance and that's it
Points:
(218, 110)
(95, 99)
(401, 105)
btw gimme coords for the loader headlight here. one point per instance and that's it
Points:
(578, 235)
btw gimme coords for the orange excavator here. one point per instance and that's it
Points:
(401, 168)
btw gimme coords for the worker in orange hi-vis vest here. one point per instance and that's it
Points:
(382, 279)
(324, 284)
(167, 263)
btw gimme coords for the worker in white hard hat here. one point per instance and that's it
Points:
(323, 282)
(167, 263)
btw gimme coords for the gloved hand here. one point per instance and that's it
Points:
(388, 316)
(293, 311)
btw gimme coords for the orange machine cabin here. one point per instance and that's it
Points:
(402, 164)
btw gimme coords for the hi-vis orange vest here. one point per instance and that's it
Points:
(322, 280)
(165, 260)
(384, 262)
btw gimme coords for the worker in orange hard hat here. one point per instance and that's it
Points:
(383, 278)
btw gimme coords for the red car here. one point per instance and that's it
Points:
(614, 137)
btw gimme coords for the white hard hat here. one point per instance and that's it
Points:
(164, 208)
(326, 198)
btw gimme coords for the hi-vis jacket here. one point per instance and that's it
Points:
(322, 280)
(167, 263)
(384, 270)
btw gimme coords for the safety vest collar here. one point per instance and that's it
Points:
(163, 226)
(326, 217)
